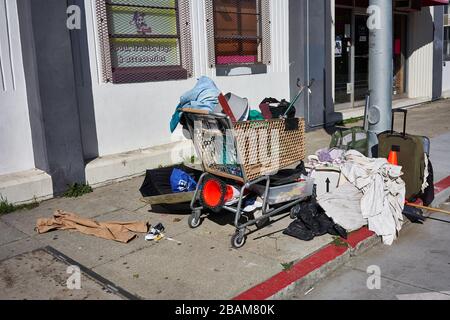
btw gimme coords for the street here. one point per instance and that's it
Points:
(416, 267)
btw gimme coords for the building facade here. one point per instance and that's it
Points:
(88, 87)
(446, 56)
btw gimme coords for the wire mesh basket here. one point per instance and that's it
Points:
(246, 150)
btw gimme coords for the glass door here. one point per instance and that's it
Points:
(361, 40)
(400, 25)
(343, 55)
(352, 55)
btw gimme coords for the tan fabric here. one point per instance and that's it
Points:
(117, 231)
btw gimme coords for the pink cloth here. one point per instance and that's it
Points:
(236, 59)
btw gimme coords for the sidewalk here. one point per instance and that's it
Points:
(199, 264)
(416, 268)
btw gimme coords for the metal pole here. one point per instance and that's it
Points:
(380, 69)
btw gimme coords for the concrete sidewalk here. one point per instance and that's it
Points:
(198, 264)
(415, 268)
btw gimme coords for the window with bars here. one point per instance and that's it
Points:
(447, 33)
(238, 32)
(145, 40)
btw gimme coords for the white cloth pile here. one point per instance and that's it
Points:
(381, 195)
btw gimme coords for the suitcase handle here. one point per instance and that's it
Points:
(405, 112)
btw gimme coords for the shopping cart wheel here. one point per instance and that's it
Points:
(295, 212)
(238, 239)
(194, 219)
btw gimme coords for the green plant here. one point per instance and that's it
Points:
(6, 207)
(76, 190)
(337, 241)
(287, 266)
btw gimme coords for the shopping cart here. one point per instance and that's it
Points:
(246, 156)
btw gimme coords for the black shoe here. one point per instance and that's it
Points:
(160, 227)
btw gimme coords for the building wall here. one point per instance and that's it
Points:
(16, 149)
(446, 78)
(57, 91)
(135, 116)
(420, 53)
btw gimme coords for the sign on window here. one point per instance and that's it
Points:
(144, 39)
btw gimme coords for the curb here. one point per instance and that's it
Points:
(310, 270)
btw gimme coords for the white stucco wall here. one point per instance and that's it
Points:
(16, 150)
(420, 49)
(446, 78)
(136, 116)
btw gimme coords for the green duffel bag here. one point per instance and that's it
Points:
(351, 139)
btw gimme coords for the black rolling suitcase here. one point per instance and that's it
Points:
(411, 155)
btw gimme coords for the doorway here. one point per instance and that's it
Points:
(352, 57)
(343, 55)
(399, 83)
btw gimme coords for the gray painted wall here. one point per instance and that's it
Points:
(83, 84)
(32, 84)
(57, 92)
(297, 52)
(319, 35)
(310, 58)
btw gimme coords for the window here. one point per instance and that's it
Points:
(145, 40)
(239, 32)
(447, 34)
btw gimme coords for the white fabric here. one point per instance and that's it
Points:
(426, 174)
(374, 196)
(343, 205)
(383, 191)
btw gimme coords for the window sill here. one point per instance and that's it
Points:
(240, 69)
(148, 74)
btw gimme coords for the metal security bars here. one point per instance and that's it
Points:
(145, 40)
(238, 32)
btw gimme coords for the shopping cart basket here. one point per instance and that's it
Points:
(248, 155)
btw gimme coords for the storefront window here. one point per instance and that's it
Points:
(145, 40)
(239, 32)
(447, 34)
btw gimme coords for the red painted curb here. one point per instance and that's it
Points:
(442, 185)
(358, 236)
(330, 252)
(280, 281)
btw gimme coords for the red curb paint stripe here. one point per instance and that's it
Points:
(442, 185)
(358, 236)
(283, 279)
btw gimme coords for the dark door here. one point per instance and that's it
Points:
(361, 40)
(343, 55)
